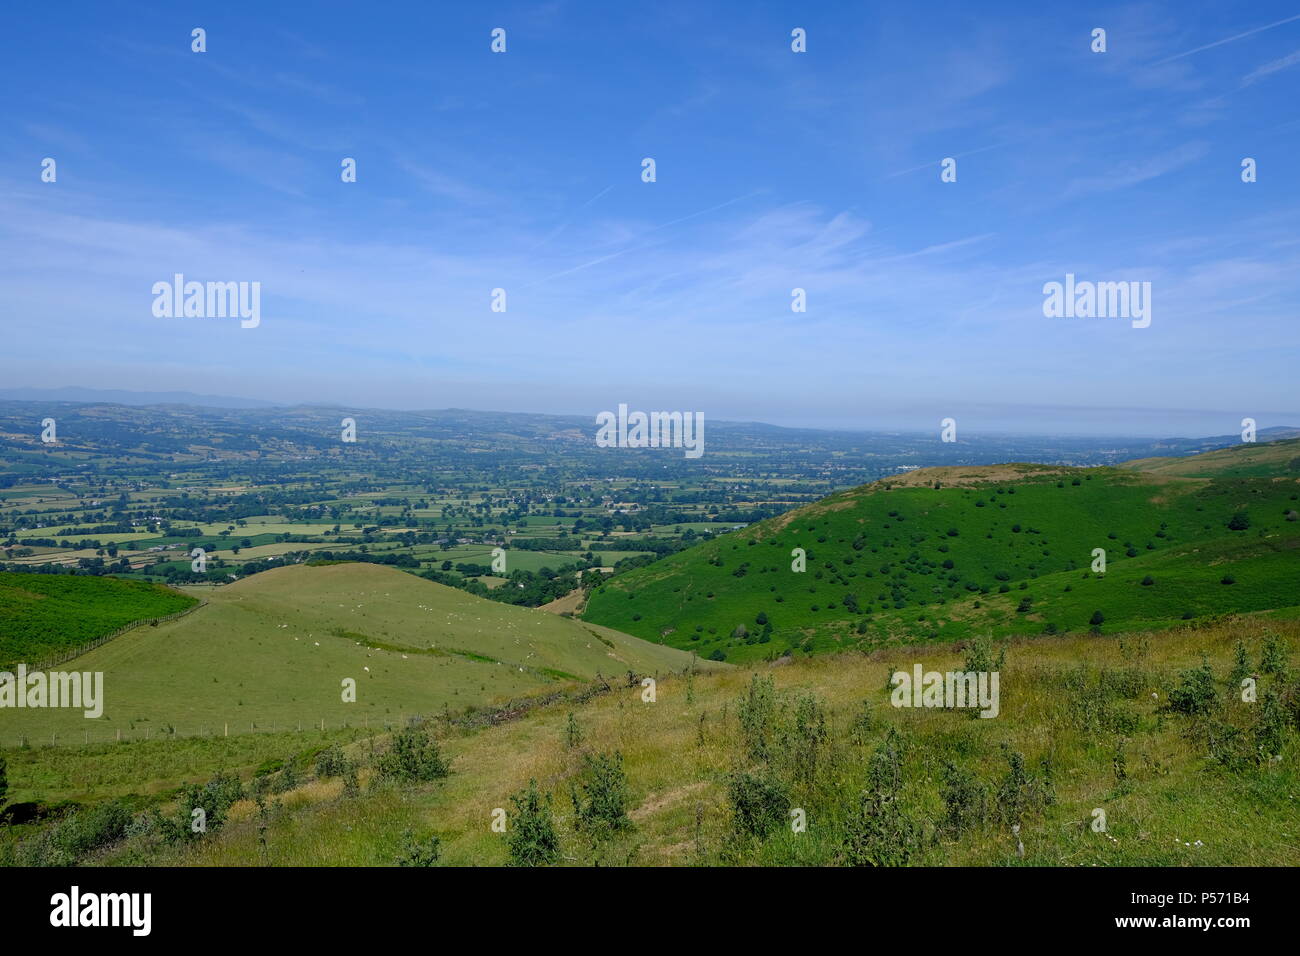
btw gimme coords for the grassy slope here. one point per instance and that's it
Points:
(887, 545)
(273, 649)
(679, 750)
(43, 614)
(1269, 458)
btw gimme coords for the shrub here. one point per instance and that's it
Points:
(979, 655)
(419, 853)
(214, 798)
(66, 842)
(758, 803)
(1240, 664)
(532, 839)
(1022, 793)
(1239, 521)
(880, 832)
(601, 809)
(965, 800)
(757, 714)
(1272, 659)
(572, 732)
(413, 756)
(331, 762)
(1270, 728)
(1195, 692)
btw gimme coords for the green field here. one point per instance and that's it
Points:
(270, 653)
(947, 553)
(42, 615)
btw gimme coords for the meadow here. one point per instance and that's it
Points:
(1127, 730)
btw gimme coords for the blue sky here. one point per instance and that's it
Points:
(775, 170)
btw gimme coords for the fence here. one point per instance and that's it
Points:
(101, 735)
(470, 718)
(71, 653)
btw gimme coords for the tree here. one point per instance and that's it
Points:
(1239, 521)
(1097, 619)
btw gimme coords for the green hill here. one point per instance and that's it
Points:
(1267, 458)
(950, 552)
(271, 652)
(42, 615)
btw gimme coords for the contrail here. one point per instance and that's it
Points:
(1208, 46)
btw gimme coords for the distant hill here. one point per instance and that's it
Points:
(1260, 458)
(945, 553)
(273, 649)
(118, 396)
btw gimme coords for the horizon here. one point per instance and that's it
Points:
(248, 403)
(775, 171)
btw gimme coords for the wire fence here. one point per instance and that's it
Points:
(100, 735)
(62, 657)
(470, 718)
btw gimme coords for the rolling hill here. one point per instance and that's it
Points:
(944, 553)
(271, 652)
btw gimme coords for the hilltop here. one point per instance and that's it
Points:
(944, 553)
(271, 651)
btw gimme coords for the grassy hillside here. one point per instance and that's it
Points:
(272, 650)
(1185, 772)
(951, 552)
(1266, 458)
(44, 614)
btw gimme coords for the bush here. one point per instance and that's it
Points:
(532, 839)
(419, 853)
(1195, 692)
(805, 739)
(979, 655)
(757, 714)
(413, 756)
(1270, 727)
(758, 803)
(880, 832)
(214, 798)
(1239, 521)
(601, 808)
(331, 762)
(1272, 659)
(1022, 793)
(965, 799)
(69, 840)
